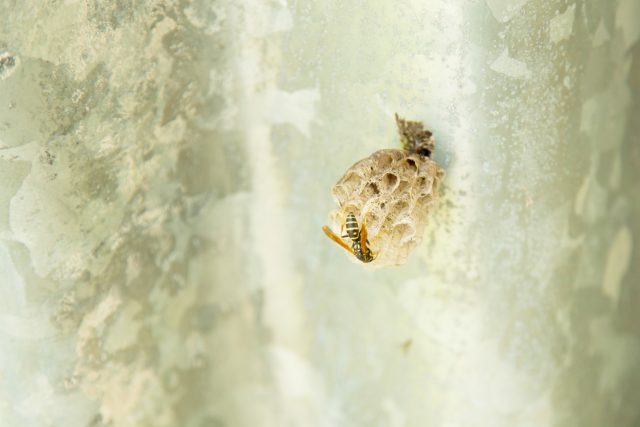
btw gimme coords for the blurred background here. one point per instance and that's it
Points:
(165, 169)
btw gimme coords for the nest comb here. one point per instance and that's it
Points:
(393, 191)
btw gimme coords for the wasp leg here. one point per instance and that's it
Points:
(330, 234)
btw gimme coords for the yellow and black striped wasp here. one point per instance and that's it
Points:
(358, 238)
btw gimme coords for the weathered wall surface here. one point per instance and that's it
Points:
(166, 167)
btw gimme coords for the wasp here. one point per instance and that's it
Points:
(358, 238)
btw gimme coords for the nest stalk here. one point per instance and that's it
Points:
(414, 138)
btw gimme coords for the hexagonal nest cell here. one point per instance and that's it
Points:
(393, 191)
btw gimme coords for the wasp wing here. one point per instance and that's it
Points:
(363, 235)
(364, 241)
(330, 234)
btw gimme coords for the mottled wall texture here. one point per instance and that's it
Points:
(165, 171)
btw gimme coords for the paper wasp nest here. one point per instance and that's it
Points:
(393, 190)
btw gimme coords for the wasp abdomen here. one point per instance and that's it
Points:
(351, 226)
